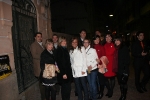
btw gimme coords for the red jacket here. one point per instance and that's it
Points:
(100, 50)
(109, 50)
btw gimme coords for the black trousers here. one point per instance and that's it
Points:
(119, 78)
(66, 90)
(145, 68)
(101, 79)
(50, 90)
(42, 88)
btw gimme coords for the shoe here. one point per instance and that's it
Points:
(57, 93)
(100, 96)
(144, 89)
(76, 94)
(140, 91)
(107, 94)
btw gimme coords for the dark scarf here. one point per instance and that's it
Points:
(115, 60)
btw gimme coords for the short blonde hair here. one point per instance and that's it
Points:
(48, 41)
(62, 38)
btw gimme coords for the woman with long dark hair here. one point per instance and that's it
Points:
(100, 52)
(79, 68)
(122, 66)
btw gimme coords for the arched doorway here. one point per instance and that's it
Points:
(24, 27)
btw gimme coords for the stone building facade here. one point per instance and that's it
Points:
(19, 19)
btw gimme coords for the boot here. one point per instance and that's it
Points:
(123, 93)
(101, 93)
(108, 89)
(112, 84)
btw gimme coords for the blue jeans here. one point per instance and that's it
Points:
(92, 80)
(81, 84)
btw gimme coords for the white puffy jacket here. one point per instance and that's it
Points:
(78, 62)
(91, 57)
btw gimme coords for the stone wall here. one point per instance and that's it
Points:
(8, 85)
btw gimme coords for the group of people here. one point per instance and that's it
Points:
(91, 64)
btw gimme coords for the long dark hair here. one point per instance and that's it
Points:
(118, 37)
(78, 44)
(94, 38)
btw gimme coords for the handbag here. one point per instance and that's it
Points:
(124, 77)
(49, 71)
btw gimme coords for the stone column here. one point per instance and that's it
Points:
(43, 19)
(8, 85)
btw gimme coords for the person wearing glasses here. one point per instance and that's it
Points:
(91, 58)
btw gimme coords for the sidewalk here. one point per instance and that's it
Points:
(131, 95)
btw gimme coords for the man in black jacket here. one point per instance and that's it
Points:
(141, 62)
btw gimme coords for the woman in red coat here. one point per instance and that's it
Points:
(110, 75)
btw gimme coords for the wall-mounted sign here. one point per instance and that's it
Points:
(5, 69)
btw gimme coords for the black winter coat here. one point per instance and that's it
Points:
(136, 51)
(64, 65)
(123, 60)
(47, 58)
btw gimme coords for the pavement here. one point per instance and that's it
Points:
(132, 93)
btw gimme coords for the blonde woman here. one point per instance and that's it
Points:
(64, 65)
(47, 57)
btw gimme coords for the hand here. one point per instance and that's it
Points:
(143, 54)
(99, 66)
(149, 62)
(57, 69)
(90, 68)
(98, 61)
(65, 76)
(82, 73)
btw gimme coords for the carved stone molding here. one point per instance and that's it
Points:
(7, 1)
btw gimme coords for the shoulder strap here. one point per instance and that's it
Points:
(88, 50)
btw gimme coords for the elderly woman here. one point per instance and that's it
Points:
(79, 68)
(64, 65)
(47, 57)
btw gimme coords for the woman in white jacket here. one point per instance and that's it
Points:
(92, 61)
(79, 68)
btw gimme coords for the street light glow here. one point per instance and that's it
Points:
(110, 15)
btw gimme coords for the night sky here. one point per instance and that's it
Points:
(70, 16)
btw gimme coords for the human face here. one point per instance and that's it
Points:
(117, 42)
(96, 41)
(55, 39)
(108, 38)
(63, 43)
(83, 34)
(98, 33)
(49, 46)
(74, 43)
(38, 38)
(141, 37)
(86, 43)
